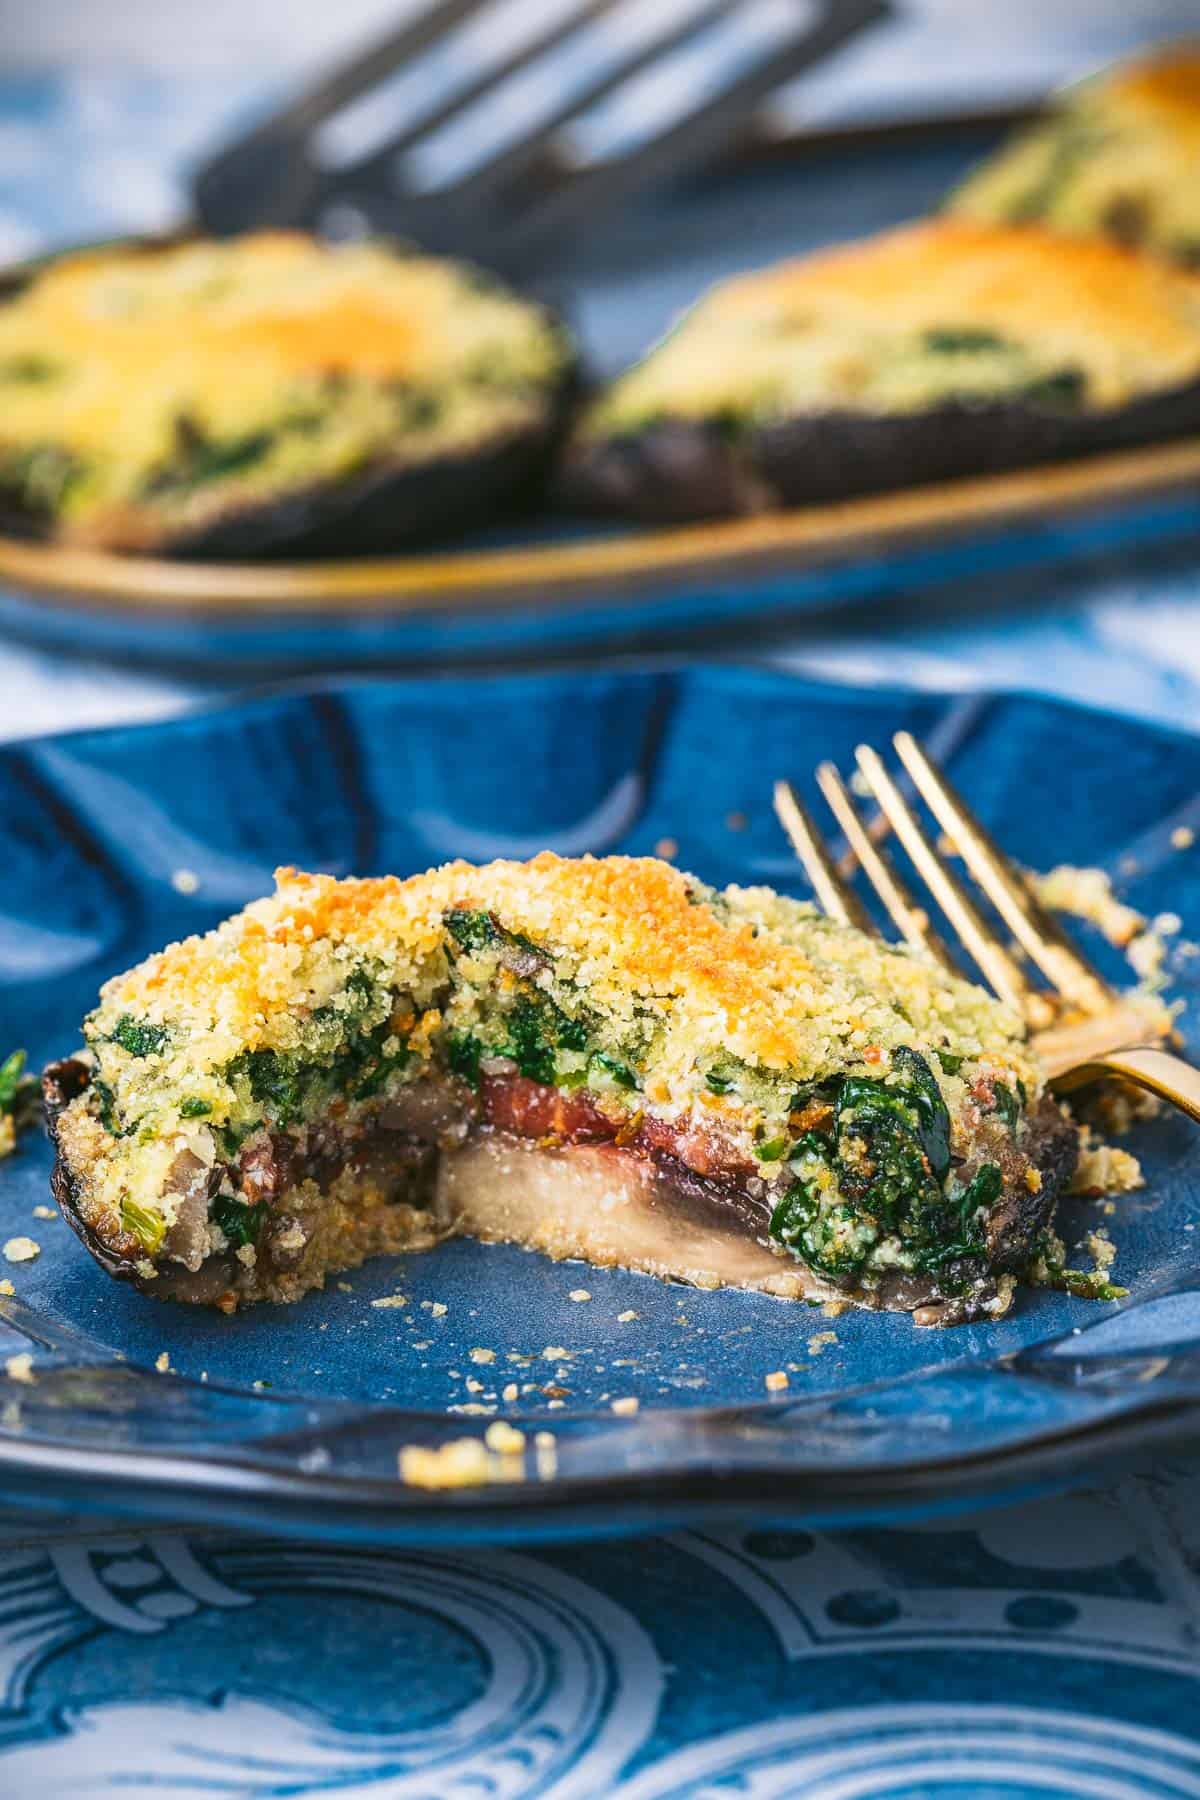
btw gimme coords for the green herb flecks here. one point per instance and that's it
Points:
(240, 1223)
(1046, 1268)
(463, 1054)
(612, 1067)
(12, 1079)
(41, 478)
(17, 1094)
(477, 933)
(28, 370)
(1006, 1104)
(960, 340)
(199, 460)
(536, 1030)
(147, 1226)
(138, 1036)
(1061, 390)
(472, 931)
(290, 1086)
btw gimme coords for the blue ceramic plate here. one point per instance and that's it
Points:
(293, 1416)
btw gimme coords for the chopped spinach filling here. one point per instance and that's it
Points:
(138, 1036)
(1006, 1103)
(199, 459)
(29, 370)
(240, 1223)
(1063, 390)
(1046, 1268)
(479, 933)
(878, 1167)
(12, 1080)
(951, 340)
(17, 1093)
(41, 478)
(289, 1086)
(524, 1024)
(144, 1223)
(1056, 390)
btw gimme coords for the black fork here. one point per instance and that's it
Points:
(348, 156)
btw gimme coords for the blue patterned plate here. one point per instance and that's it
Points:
(294, 1416)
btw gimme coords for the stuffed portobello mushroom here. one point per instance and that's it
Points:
(1117, 156)
(602, 1059)
(268, 394)
(939, 349)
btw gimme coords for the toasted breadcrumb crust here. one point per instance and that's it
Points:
(750, 970)
(843, 329)
(288, 361)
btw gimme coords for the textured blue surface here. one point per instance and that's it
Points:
(1045, 1654)
(396, 776)
(1040, 1653)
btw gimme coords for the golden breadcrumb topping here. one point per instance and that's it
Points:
(765, 978)
(895, 323)
(161, 378)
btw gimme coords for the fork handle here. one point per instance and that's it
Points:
(1158, 1071)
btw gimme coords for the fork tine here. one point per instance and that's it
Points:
(911, 920)
(700, 133)
(834, 895)
(993, 959)
(512, 63)
(1005, 887)
(497, 170)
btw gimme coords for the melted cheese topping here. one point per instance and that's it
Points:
(1119, 155)
(109, 354)
(904, 320)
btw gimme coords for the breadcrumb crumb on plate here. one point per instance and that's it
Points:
(1104, 1168)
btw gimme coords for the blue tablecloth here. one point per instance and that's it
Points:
(1049, 1650)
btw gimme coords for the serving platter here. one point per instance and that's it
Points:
(580, 590)
(551, 585)
(113, 842)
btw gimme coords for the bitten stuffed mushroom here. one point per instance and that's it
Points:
(602, 1059)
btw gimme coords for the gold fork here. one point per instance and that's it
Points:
(1079, 1025)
